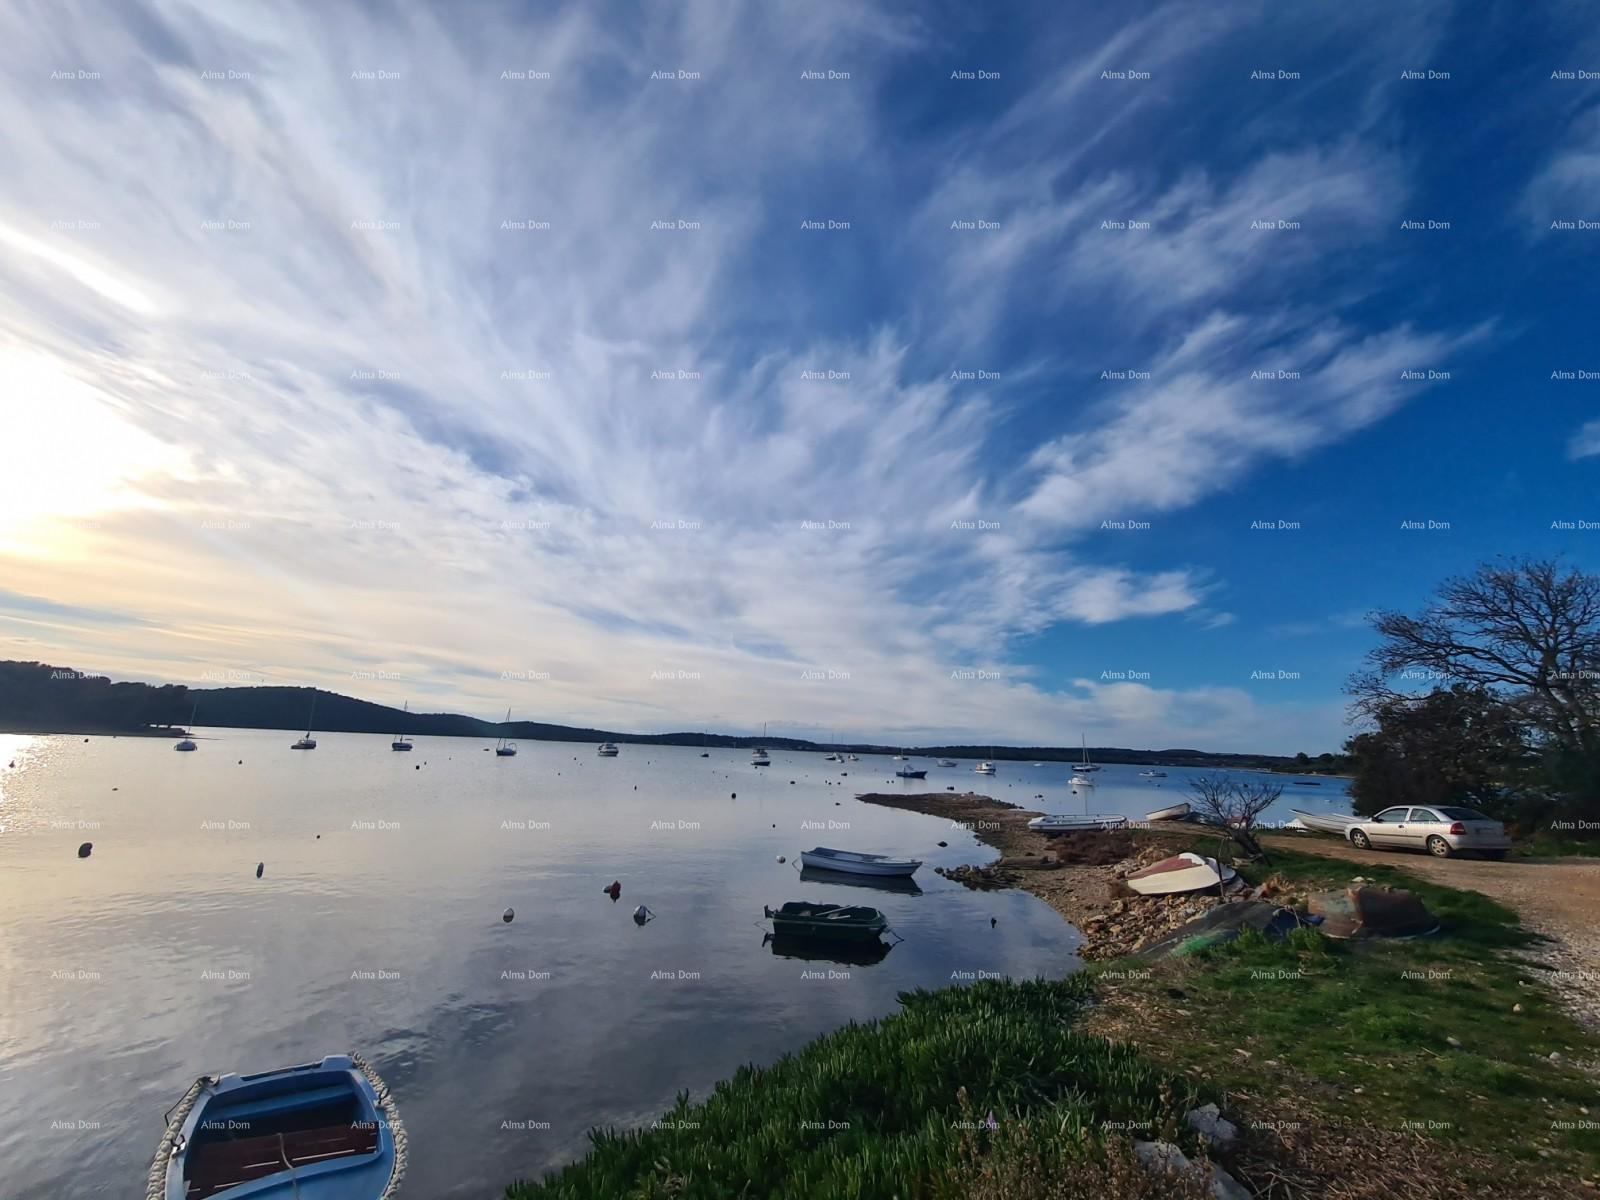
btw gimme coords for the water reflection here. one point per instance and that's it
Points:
(853, 954)
(903, 884)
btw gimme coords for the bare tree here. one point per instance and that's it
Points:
(1522, 627)
(1234, 807)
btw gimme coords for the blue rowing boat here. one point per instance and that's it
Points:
(321, 1131)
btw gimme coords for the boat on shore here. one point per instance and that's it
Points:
(325, 1130)
(1054, 823)
(1173, 812)
(851, 863)
(1186, 872)
(1326, 822)
(827, 922)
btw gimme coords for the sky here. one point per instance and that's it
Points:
(1003, 374)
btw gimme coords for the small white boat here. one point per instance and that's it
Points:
(1296, 824)
(1152, 774)
(947, 762)
(851, 758)
(1326, 822)
(188, 741)
(1172, 812)
(1085, 767)
(1063, 823)
(899, 758)
(852, 863)
(1081, 781)
(759, 757)
(401, 742)
(1184, 872)
(984, 768)
(308, 742)
(831, 758)
(608, 750)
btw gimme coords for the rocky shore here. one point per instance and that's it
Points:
(1079, 875)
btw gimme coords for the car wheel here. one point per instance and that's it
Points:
(1439, 848)
(1360, 840)
(1495, 855)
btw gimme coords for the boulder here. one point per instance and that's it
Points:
(1163, 1158)
(1210, 1124)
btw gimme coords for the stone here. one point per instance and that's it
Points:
(1161, 1158)
(1210, 1124)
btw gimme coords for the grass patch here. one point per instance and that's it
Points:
(887, 1108)
(1557, 845)
(1367, 1026)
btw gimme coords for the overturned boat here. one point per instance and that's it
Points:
(1053, 823)
(326, 1130)
(852, 863)
(1326, 822)
(1186, 872)
(1173, 812)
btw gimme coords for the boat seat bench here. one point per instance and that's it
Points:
(222, 1165)
(269, 1106)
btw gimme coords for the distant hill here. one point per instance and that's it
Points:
(38, 698)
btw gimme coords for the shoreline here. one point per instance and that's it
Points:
(1078, 875)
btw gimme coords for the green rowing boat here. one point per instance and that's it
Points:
(832, 922)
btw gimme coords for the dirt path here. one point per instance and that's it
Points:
(1557, 897)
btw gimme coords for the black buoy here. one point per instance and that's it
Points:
(260, 867)
(944, 843)
(993, 922)
(319, 837)
(641, 915)
(508, 916)
(735, 795)
(113, 789)
(83, 850)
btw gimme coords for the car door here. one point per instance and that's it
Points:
(1417, 828)
(1386, 828)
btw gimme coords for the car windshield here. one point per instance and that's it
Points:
(1462, 814)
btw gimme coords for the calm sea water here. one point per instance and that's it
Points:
(377, 926)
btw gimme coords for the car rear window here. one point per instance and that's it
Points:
(1462, 814)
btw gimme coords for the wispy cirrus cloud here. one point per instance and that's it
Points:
(469, 348)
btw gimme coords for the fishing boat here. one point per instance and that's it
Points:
(308, 742)
(608, 750)
(401, 742)
(907, 771)
(1172, 812)
(1072, 823)
(852, 863)
(758, 755)
(827, 922)
(503, 748)
(984, 768)
(1085, 767)
(1152, 774)
(325, 1130)
(1326, 822)
(1186, 872)
(947, 762)
(188, 738)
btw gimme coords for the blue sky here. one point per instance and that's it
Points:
(327, 337)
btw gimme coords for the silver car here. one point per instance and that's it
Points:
(1439, 831)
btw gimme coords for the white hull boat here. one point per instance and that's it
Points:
(1081, 781)
(1173, 812)
(1326, 822)
(1152, 774)
(947, 762)
(1184, 872)
(1059, 823)
(851, 863)
(608, 750)
(984, 768)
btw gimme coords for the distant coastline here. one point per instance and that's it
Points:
(39, 698)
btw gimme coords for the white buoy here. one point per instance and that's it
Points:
(781, 858)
